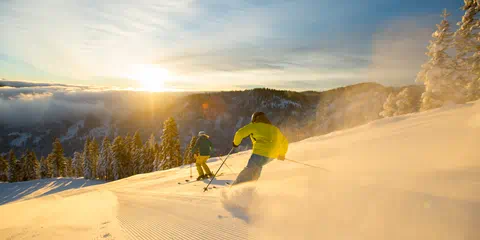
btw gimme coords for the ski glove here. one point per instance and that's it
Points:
(281, 158)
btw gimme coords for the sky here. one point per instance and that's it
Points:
(217, 45)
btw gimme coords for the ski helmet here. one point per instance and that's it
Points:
(255, 115)
(201, 133)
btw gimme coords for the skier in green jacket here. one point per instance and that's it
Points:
(204, 147)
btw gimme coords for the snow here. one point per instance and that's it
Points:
(20, 191)
(73, 130)
(21, 140)
(415, 176)
(281, 103)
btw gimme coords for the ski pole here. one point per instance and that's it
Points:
(225, 163)
(308, 165)
(191, 170)
(218, 170)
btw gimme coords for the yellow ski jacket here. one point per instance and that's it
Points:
(267, 139)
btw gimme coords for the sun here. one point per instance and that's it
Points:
(151, 77)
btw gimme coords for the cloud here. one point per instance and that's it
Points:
(35, 104)
(86, 41)
(32, 103)
(27, 109)
(24, 84)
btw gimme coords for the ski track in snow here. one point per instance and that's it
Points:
(176, 217)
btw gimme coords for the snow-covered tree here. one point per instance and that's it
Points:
(31, 166)
(105, 161)
(465, 36)
(94, 154)
(57, 159)
(87, 162)
(404, 102)
(389, 107)
(467, 45)
(407, 102)
(45, 168)
(77, 164)
(12, 163)
(3, 169)
(118, 151)
(170, 146)
(437, 74)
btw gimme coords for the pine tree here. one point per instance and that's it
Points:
(137, 154)
(436, 74)
(20, 168)
(152, 141)
(148, 158)
(188, 155)
(127, 164)
(137, 141)
(157, 160)
(77, 165)
(469, 32)
(68, 167)
(118, 158)
(105, 161)
(87, 162)
(404, 102)
(94, 154)
(31, 168)
(57, 159)
(465, 37)
(157, 163)
(138, 160)
(389, 106)
(45, 168)
(467, 45)
(170, 146)
(12, 163)
(3, 169)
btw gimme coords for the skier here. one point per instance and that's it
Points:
(204, 146)
(268, 143)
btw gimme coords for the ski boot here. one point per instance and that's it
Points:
(201, 177)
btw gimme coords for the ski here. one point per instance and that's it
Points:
(192, 181)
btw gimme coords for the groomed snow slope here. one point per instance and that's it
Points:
(408, 177)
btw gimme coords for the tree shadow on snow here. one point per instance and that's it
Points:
(10, 192)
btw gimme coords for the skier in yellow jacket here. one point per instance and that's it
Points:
(268, 143)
